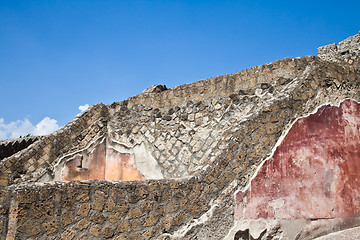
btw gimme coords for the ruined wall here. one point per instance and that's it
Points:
(86, 210)
(181, 201)
(207, 139)
(181, 126)
(346, 51)
(4, 212)
(12, 146)
(38, 160)
(313, 174)
(177, 128)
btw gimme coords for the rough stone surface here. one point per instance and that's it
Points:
(348, 234)
(178, 156)
(347, 51)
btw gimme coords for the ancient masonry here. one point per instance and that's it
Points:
(270, 152)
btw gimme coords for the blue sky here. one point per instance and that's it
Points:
(58, 55)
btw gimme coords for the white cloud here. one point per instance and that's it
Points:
(19, 128)
(83, 107)
(15, 129)
(46, 126)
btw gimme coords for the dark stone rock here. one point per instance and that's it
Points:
(155, 89)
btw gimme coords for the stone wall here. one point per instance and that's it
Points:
(12, 146)
(177, 127)
(4, 212)
(346, 51)
(181, 126)
(95, 209)
(208, 140)
(38, 160)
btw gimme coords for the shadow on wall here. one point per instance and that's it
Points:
(242, 235)
(245, 235)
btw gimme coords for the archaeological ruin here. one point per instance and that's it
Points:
(270, 152)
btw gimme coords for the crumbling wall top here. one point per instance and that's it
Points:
(10, 146)
(347, 51)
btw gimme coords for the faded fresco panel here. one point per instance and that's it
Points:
(314, 173)
(121, 166)
(102, 164)
(79, 168)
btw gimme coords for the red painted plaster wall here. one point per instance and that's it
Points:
(314, 172)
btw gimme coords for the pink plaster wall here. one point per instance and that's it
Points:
(121, 166)
(104, 164)
(79, 168)
(314, 172)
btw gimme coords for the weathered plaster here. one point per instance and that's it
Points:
(81, 155)
(144, 161)
(312, 174)
(106, 159)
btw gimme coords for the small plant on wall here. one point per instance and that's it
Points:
(25, 136)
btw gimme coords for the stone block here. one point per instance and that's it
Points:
(272, 128)
(159, 210)
(68, 234)
(83, 197)
(110, 205)
(98, 204)
(51, 226)
(122, 208)
(136, 225)
(167, 223)
(123, 226)
(135, 213)
(97, 217)
(82, 224)
(67, 218)
(114, 217)
(30, 227)
(166, 196)
(147, 234)
(229, 176)
(134, 236)
(142, 191)
(150, 220)
(43, 210)
(118, 193)
(209, 189)
(121, 237)
(26, 196)
(147, 206)
(172, 207)
(83, 209)
(95, 230)
(108, 232)
(220, 183)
